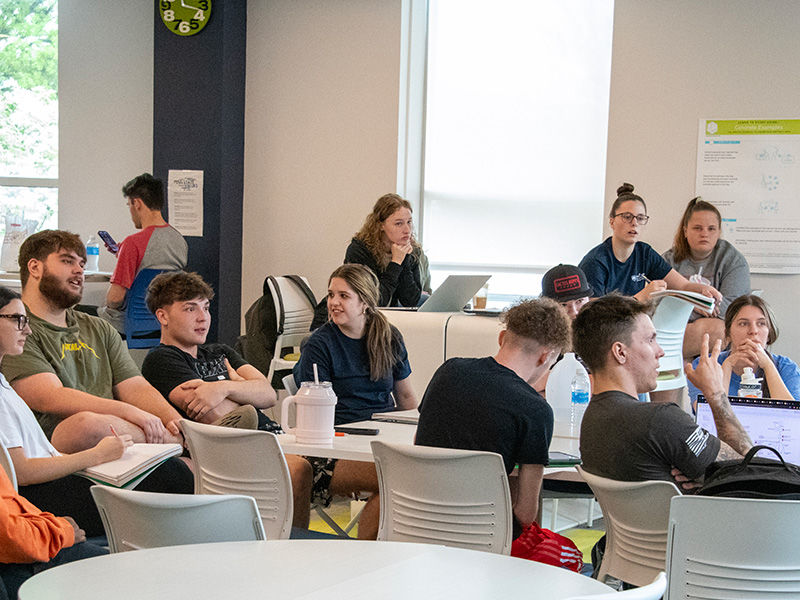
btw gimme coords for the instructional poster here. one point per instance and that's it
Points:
(750, 170)
(185, 201)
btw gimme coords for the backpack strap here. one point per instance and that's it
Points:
(278, 296)
(298, 281)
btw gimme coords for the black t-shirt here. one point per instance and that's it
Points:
(628, 440)
(478, 404)
(167, 367)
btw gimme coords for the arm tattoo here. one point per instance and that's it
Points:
(729, 429)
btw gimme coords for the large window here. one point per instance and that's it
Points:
(28, 112)
(514, 136)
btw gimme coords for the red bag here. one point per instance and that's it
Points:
(545, 546)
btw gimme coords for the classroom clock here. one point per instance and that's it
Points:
(185, 17)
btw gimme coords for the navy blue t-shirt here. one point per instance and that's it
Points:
(345, 363)
(606, 274)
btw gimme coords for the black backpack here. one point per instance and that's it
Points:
(262, 329)
(753, 477)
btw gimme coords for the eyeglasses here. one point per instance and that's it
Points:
(629, 217)
(22, 320)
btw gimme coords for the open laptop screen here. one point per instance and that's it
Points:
(774, 423)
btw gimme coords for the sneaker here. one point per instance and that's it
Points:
(244, 417)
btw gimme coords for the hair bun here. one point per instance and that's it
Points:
(625, 188)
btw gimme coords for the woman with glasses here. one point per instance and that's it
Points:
(44, 475)
(626, 265)
(701, 255)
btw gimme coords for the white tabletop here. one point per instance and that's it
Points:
(357, 447)
(323, 569)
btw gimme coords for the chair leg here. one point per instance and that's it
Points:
(554, 514)
(590, 514)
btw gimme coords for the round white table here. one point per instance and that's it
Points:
(306, 569)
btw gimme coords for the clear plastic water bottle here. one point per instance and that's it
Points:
(580, 388)
(92, 254)
(750, 385)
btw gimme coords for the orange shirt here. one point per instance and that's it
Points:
(26, 533)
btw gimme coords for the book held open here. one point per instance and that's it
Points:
(134, 465)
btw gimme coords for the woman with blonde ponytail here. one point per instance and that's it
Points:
(365, 359)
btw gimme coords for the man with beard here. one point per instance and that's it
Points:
(75, 372)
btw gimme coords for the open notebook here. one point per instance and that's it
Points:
(773, 423)
(135, 464)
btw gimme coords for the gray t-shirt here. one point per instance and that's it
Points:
(628, 440)
(726, 268)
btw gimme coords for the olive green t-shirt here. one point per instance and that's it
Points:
(87, 355)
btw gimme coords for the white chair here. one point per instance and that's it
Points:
(294, 311)
(8, 465)
(241, 461)
(443, 496)
(637, 514)
(651, 591)
(135, 520)
(729, 548)
(670, 319)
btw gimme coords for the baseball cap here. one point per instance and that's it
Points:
(565, 282)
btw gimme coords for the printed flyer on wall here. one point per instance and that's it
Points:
(750, 170)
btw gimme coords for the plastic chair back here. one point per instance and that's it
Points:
(8, 465)
(294, 311)
(651, 591)
(142, 329)
(135, 520)
(729, 548)
(670, 319)
(637, 515)
(241, 461)
(441, 496)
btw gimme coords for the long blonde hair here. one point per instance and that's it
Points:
(372, 234)
(383, 340)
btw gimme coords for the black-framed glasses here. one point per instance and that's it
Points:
(629, 217)
(22, 320)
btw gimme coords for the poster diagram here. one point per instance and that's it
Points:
(750, 170)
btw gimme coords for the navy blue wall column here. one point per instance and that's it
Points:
(198, 123)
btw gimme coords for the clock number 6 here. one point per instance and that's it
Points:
(182, 26)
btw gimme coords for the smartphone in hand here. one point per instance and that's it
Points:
(111, 245)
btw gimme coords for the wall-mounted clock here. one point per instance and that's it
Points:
(185, 17)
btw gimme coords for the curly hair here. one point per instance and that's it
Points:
(176, 286)
(541, 321)
(42, 244)
(680, 245)
(603, 322)
(372, 234)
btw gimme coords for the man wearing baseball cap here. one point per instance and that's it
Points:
(567, 285)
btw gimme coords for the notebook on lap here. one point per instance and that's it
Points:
(774, 423)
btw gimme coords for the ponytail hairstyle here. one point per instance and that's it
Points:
(680, 246)
(624, 194)
(383, 340)
(371, 232)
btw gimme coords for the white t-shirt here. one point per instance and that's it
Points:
(19, 427)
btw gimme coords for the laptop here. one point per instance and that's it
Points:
(452, 295)
(774, 423)
(407, 417)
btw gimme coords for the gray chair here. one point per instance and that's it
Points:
(135, 520)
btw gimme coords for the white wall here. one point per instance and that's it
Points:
(676, 62)
(105, 81)
(320, 131)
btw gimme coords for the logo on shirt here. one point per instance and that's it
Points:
(567, 284)
(698, 441)
(76, 347)
(213, 369)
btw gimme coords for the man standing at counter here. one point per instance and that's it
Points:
(157, 246)
(490, 404)
(75, 372)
